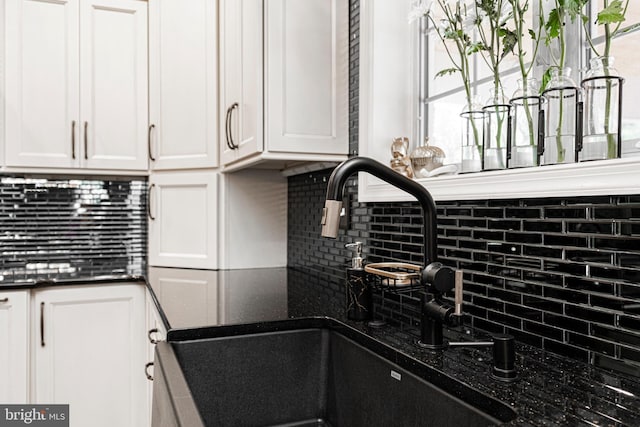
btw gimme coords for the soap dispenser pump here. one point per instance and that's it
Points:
(359, 301)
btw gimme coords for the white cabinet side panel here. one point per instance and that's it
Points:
(254, 211)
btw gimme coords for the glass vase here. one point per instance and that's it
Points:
(562, 133)
(472, 119)
(526, 104)
(602, 86)
(496, 131)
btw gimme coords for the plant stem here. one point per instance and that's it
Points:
(563, 49)
(611, 141)
(559, 144)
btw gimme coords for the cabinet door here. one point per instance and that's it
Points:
(183, 220)
(14, 354)
(183, 84)
(90, 350)
(42, 110)
(307, 71)
(241, 88)
(113, 70)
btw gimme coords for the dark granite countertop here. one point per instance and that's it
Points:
(70, 281)
(551, 390)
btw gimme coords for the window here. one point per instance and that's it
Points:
(624, 50)
(444, 96)
(400, 96)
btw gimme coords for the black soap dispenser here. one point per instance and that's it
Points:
(359, 301)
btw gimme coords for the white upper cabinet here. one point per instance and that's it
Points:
(241, 85)
(113, 83)
(183, 86)
(76, 80)
(307, 76)
(42, 83)
(284, 81)
(183, 219)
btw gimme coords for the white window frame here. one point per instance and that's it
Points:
(602, 177)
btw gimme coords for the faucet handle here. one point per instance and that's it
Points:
(457, 289)
(439, 277)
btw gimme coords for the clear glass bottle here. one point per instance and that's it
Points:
(562, 98)
(525, 103)
(602, 87)
(426, 158)
(496, 125)
(472, 119)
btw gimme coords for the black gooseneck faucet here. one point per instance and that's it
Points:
(335, 190)
(436, 277)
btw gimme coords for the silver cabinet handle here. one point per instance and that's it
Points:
(153, 340)
(73, 139)
(42, 324)
(4, 300)
(226, 128)
(149, 214)
(151, 127)
(86, 144)
(146, 371)
(230, 142)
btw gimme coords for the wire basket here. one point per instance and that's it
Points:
(394, 275)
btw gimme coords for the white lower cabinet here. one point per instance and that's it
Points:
(89, 350)
(14, 347)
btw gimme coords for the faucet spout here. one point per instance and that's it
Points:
(335, 190)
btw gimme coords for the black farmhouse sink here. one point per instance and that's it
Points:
(307, 376)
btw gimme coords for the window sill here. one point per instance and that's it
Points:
(604, 177)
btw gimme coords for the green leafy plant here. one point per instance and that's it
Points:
(495, 43)
(453, 29)
(610, 17)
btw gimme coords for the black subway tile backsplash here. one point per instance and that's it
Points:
(569, 290)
